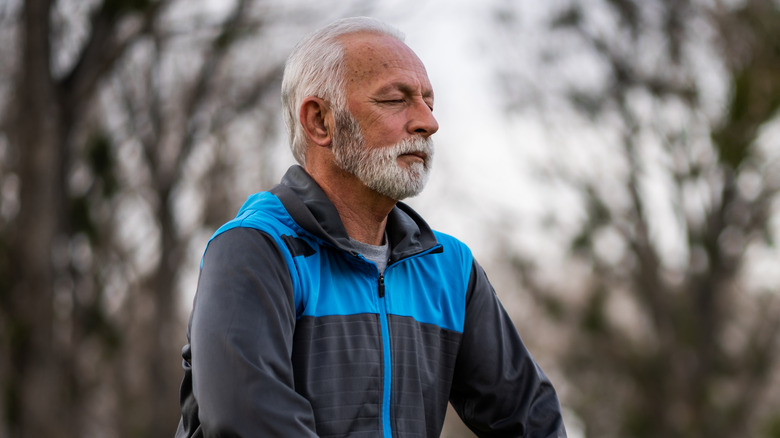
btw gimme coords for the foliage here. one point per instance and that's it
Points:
(124, 125)
(673, 333)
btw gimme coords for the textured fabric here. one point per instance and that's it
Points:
(294, 333)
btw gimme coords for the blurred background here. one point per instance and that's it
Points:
(614, 165)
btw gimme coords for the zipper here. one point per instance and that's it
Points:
(387, 431)
(387, 384)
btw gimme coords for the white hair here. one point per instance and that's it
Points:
(315, 68)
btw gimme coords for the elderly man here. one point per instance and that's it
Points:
(328, 308)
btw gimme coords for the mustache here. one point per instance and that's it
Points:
(417, 145)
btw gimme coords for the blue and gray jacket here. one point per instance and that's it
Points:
(295, 334)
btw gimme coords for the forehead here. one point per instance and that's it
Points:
(373, 59)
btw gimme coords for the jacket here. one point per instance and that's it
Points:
(294, 334)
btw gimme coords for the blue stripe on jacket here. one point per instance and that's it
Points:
(430, 287)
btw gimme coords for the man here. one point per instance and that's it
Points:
(328, 308)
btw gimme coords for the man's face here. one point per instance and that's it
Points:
(383, 136)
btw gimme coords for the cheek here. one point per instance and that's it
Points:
(381, 138)
(385, 125)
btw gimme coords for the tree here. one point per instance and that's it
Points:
(126, 123)
(671, 331)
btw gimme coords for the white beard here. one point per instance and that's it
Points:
(378, 168)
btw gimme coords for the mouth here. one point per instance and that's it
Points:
(416, 154)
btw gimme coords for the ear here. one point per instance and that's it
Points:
(315, 116)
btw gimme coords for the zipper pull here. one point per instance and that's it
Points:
(381, 285)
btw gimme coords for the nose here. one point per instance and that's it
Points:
(421, 119)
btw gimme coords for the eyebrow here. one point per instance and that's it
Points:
(404, 88)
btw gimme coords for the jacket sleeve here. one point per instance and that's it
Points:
(241, 332)
(498, 388)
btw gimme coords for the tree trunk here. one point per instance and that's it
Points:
(38, 385)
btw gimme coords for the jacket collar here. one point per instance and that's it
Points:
(310, 208)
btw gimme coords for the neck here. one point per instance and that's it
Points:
(363, 211)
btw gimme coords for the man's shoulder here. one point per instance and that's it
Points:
(262, 211)
(454, 247)
(448, 240)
